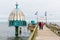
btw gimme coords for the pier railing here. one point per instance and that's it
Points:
(54, 28)
(33, 34)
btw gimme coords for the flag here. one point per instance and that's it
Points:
(36, 12)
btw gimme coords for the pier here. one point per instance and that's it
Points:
(46, 34)
(17, 19)
(29, 20)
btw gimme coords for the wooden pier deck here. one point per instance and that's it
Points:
(46, 34)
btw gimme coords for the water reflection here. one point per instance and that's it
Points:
(17, 38)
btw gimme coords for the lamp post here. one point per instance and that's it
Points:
(37, 15)
(46, 16)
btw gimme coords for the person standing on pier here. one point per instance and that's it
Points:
(42, 24)
(39, 25)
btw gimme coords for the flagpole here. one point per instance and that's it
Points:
(37, 17)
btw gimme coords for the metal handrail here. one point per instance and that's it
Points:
(33, 34)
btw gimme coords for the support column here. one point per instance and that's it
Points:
(16, 31)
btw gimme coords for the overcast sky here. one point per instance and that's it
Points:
(29, 7)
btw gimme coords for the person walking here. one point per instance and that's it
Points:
(39, 25)
(42, 24)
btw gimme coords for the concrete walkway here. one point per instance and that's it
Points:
(46, 34)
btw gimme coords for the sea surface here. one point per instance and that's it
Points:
(8, 33)
(57, 23)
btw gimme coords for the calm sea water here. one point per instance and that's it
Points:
(58, 23)
(8, 33)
